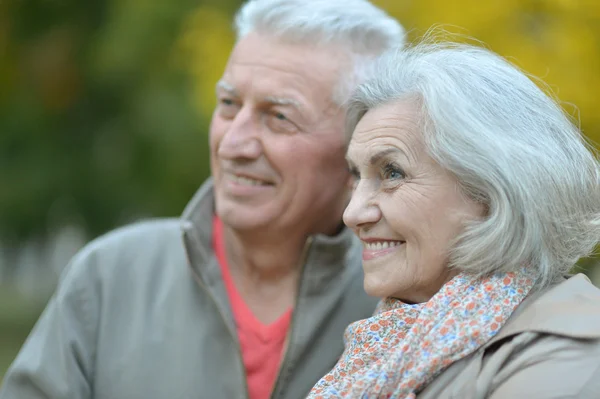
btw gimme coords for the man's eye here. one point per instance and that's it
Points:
(278, 122)
(228, 107)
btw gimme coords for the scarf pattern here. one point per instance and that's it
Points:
(404, 346)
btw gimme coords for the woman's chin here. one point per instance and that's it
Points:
(377, 289)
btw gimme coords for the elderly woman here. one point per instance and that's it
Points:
(474, 197)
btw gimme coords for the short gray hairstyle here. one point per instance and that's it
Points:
(357, 26)
(511, 147)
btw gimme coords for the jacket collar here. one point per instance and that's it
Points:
(197, 220)
(570, 308)
(328, 252)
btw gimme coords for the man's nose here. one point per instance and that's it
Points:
(242, 138)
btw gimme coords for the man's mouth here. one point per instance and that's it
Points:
(247, 181)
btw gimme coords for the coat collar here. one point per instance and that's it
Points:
(570, 308)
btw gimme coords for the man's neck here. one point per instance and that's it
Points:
(261, 257)
(266, 270)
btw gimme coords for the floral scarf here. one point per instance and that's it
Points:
(403, 347)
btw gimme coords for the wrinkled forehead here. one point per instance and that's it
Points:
(263, 64)
(392, 124)
(268, 49)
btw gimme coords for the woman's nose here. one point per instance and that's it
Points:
(362, 209)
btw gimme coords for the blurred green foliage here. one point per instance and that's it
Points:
(96, 122)
(104, 105)
(17, 317)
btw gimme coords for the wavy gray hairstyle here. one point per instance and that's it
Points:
(357, 26)
(510, 146)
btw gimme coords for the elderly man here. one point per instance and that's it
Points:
(249, 292)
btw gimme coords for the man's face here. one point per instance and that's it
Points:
(276, 138)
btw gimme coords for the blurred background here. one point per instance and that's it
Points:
(105, 105)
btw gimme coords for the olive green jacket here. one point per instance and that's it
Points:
(142, 313)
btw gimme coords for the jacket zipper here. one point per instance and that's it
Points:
(288, 342)
(231, 333)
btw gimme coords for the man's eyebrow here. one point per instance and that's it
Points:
(223, 85)
(282, 101)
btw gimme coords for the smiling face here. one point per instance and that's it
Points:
(276, 139)
(406, 209)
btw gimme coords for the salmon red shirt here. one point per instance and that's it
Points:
(261, 345)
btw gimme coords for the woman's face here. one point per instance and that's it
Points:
(405, 208)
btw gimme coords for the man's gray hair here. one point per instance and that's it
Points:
(357, 26)
(511, 147)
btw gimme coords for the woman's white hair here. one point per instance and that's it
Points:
(510, 146)
(357, 26)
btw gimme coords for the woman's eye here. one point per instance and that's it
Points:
(226, 101)
(393, 172)
(280, 116)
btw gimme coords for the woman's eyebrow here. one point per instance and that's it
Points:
(376, 158)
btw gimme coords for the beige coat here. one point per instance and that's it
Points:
(549, 348)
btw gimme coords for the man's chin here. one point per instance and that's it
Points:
(242, 219)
